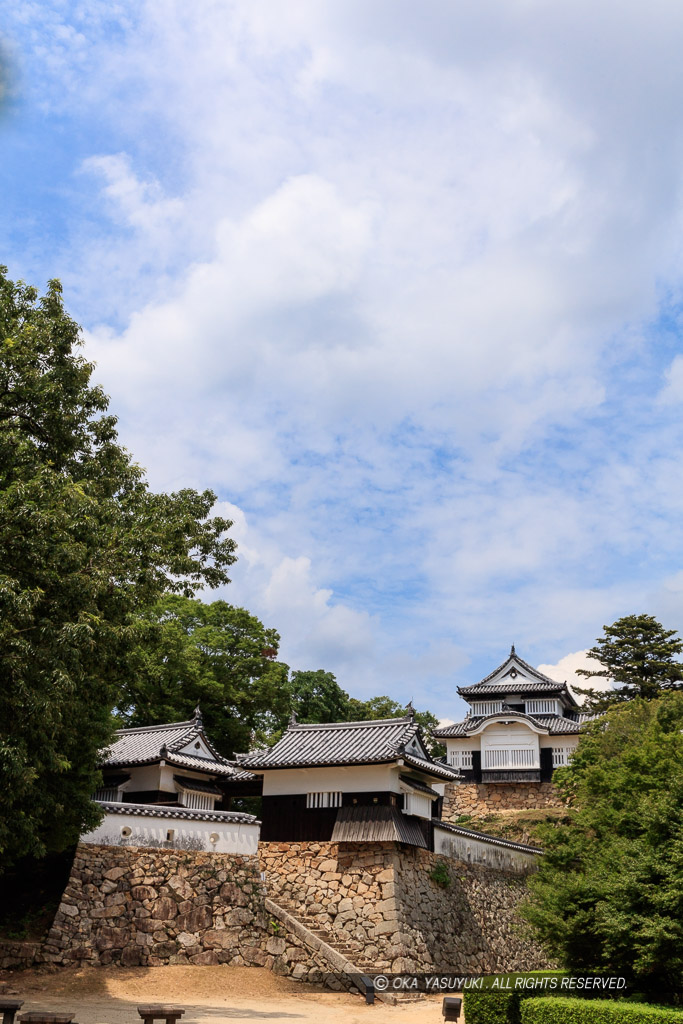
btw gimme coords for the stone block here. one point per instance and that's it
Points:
(131, 956)
(207, 959)
(165, 909)
(163, 949)
(238, 916)
(140, 893)
(196, 920)
(114, 874)
(276, 945)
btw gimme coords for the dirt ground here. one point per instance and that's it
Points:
(211, 995)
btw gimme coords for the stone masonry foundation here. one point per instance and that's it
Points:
(393, 903)
(476, 800)
(393, 906)
(142, 906)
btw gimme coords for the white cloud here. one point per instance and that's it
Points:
(384, 278)
(565, 671)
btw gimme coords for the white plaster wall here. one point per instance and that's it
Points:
(148, 777)
(511, 737)
(559, 741)
(475, 851)
(145, 831)
(474, 742)
(357, 779)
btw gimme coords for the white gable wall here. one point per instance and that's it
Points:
(380, 778)
(197, 748)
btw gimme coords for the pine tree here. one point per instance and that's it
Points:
(638, 656)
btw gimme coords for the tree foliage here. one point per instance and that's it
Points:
(223, 658)
(638, 655)
(609, 892)
(84, 544)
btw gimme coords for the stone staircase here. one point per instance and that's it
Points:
(344, 956)
(349, 950)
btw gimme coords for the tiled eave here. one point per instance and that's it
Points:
(513, 686)
(554, 725)
(440, 771)
(174, 811)
(199, 764)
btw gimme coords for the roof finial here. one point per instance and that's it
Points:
(512, 651)
(198, 715)
(292, 718)
(410, 710)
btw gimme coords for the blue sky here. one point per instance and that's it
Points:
(401, 283)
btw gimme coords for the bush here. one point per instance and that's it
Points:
(440, 874)
(564, 1010)
(486, 1007)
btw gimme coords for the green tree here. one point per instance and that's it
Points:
(609, 892)
(386, 707)
(638, 655)
(84, 544)
(316, 696)
(212, 654)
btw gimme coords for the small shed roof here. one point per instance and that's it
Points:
(376, 823)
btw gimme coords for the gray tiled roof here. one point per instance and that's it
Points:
(175, 811)
(514, 659)
(555, 725)
(558, 726)
(151, 743)
(346, 743)
(514, 686)
(528, 680)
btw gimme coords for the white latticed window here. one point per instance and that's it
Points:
(514, 757)
(542, 707)
(460, 758)
(419, 805)
(197, 801)
(323, 799)
(561, 756)
(108, 793)
(486, 707)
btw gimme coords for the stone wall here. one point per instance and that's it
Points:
(144, 906)
(476, 800)
(17, 955)
(380, 905)
(141, 906)
(390, 903)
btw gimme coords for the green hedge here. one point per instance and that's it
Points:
(566, 1010)
(486, 1007)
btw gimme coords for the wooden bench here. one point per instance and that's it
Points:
(42, 1017)
(8, 1007)
(161, 1011)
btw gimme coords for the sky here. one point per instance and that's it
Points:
(401, 283)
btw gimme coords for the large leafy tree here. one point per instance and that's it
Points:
(223, 658)
(639, 656)
(84, 544)
(609, 892)
(316, 696)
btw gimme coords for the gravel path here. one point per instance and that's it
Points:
(211, 995)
